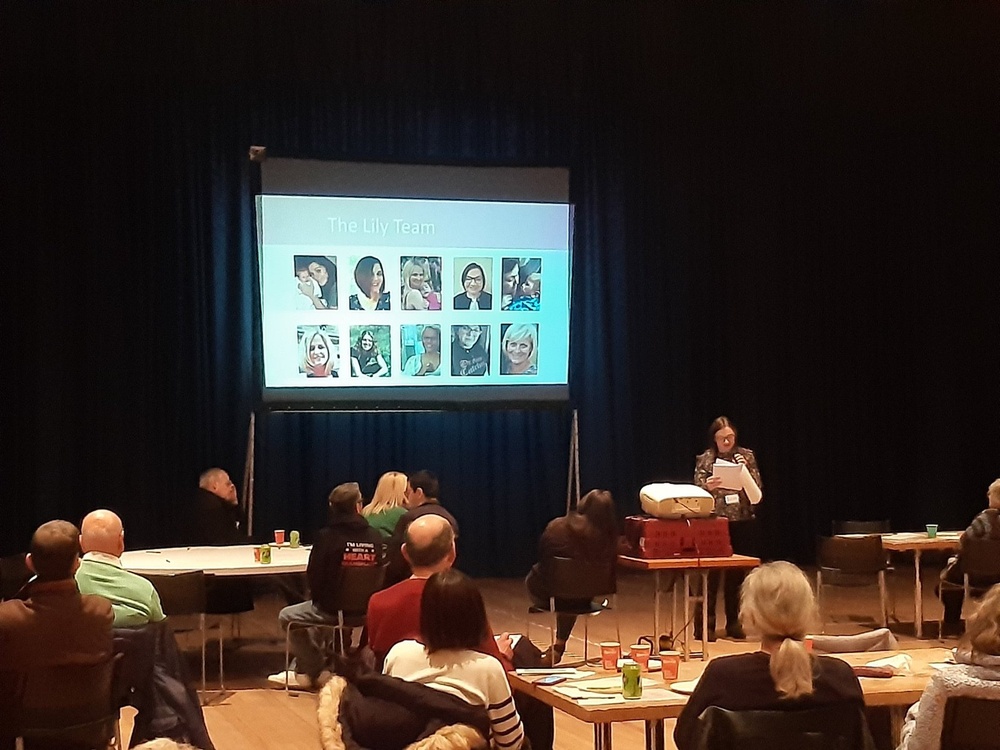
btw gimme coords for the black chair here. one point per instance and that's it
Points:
(840, 726)
(577, 588)
(851, 562)
(970, 724)
(70, 707)
(862, 527)
(14, 573)
(980, 561)
(355, 587)
(183, 594)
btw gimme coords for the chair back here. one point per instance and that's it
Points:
(981, 558)
(862, 527)
(970, 724)
(356, 586)
(851, 555)
(69, 705)
(14, 573)
(840, 726)
(181, 593)
(578, 579)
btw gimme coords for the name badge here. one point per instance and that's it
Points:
(732, 499)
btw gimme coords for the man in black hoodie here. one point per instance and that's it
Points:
(347, 541)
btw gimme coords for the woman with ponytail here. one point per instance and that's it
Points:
(776, 604)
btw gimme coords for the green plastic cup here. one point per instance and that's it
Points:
(932, 530)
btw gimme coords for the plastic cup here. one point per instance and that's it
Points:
(611, 652)
(293, 538)
(932, 530)
(670, 663)
(279, 536)
(639, 653)
(808, 642)
(256, 554)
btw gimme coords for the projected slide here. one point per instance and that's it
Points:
(413, 301)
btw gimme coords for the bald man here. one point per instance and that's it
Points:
(394, 613)
(133, 599)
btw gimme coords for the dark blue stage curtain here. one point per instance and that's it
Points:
(788, 215)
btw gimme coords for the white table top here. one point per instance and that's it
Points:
(220, 561)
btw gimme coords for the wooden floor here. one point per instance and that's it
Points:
(249, 716)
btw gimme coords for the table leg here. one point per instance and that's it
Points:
(918, 597)
(675, 636)
(896, 716)
(687, 610)
(656, 605)
(654, 734)
(704, 614)
(602, 736)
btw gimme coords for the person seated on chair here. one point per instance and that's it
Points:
(133, 599)
(347, 541)
(394, 613)
(776, 602)
(975, 675)
(394, 616)
(590, 533)
(52, 624)
(388, 503)
(984, 526)
(421, 498)
(452, 626)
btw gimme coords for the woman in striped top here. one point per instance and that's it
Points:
(452, 625)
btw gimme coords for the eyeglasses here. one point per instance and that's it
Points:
(470, 329)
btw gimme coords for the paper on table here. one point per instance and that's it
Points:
(900, 663)
(685, 688)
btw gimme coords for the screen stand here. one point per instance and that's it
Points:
(574, 464)
(248, 475)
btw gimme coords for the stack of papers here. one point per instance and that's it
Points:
(736, 477)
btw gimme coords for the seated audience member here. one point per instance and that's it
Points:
(590, 534)
(133, 599)
(452, 625)
(394, 613)
(388, 503)
(217, 521)
(347, 541)
(421, 498)
(218, 518)
(976, 675)
(776, 602)
(984, 526)
(54, 624)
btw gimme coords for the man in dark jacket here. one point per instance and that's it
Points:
(421, 499)
(348, 541)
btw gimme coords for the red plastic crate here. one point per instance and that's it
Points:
(650, 537)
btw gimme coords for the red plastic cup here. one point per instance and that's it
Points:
(279, 536)
(611, 652)
(808, 642)
(670, 663)
(639, 653)
(256, 554)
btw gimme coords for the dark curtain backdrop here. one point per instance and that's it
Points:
(786, 213)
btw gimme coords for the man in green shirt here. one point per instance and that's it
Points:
(133, 599)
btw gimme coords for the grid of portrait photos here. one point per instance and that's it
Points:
(446, 317)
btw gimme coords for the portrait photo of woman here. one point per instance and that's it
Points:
(470, 350)
(425, 342)
(527, 290)
(369, 279)
(519, 349)
(418, 285)
(370, 353)
(319, 351)
(475, 282)
(315, 282)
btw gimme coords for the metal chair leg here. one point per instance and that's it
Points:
(204, 682)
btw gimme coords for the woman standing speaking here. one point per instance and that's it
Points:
(737, 507)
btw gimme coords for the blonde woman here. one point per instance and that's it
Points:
(776, 603)
(976, 674)
(388, 504)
